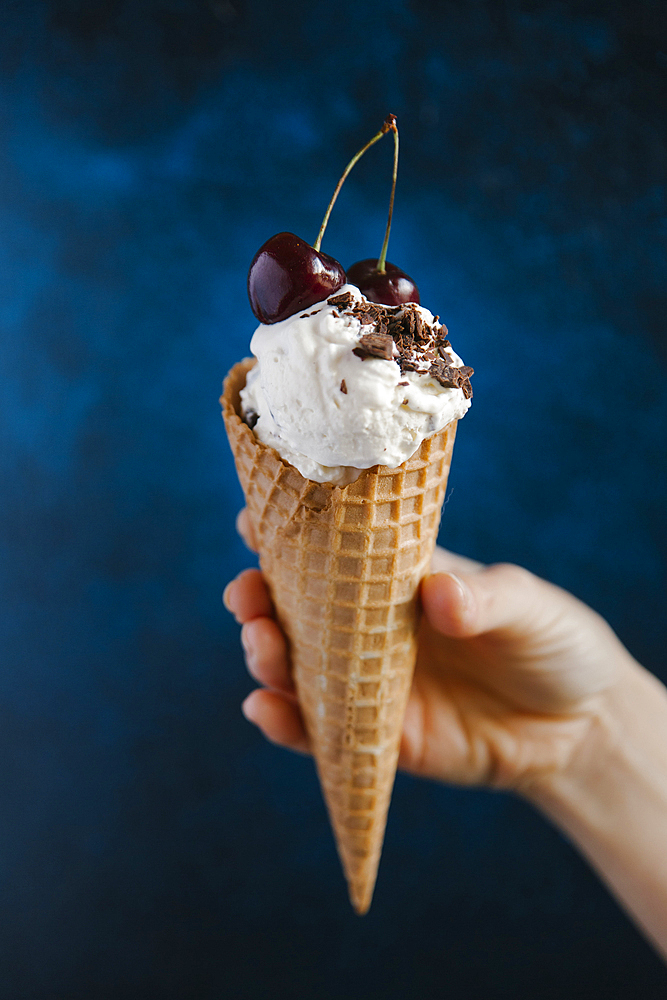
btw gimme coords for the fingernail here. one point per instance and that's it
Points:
(465, 613)
(248, 646)
(225, 597)
(463, 589)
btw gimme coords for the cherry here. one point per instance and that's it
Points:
(376, 279)
(390, 287)
(288, 275)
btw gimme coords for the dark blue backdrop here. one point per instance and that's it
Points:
(151, 844)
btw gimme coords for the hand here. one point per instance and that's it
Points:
(518, 685)
(511, 673)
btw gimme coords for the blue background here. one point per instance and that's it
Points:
(151, 843)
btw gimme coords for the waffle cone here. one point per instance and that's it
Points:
(343, 565)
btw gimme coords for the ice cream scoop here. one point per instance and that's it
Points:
(351, 384)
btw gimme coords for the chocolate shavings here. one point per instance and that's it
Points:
(375, 345)
(453, 378)
(421, 348)
(345, 300)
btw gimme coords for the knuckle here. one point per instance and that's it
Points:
(511, 575)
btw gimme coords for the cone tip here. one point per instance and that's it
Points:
(361, 896)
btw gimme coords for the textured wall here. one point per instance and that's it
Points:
(151, 844)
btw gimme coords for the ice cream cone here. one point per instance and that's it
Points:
(343, 565)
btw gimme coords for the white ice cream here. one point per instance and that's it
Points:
(328, 434)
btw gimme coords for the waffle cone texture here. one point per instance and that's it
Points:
(343, 565)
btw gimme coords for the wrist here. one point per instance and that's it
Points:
(611, 797)
(624, 735)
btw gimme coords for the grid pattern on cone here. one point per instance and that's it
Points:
(344, 565)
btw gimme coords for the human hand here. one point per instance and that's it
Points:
(518, 685)
(511, 673)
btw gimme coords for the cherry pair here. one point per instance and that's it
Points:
(288, 275)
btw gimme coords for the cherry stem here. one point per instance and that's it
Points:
(388, 125)
(383, 254)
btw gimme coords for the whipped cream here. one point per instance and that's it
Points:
(331, 412)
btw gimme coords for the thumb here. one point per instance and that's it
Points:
(499, 597)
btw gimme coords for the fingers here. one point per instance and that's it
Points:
(247, 597)
(503, 596)
(245, 529)
(279, 719)
(266, 654)
(263, 642)
(274, 711)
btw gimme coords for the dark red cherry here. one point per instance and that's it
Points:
(288, 275)
(391, 287)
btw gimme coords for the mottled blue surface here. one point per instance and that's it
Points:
(151, 844)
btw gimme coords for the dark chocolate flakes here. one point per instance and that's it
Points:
(343, 387)
(453, 378)
(375, 345)
(421, 348)
(345, 300)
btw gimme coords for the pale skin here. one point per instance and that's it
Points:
(518, 686)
